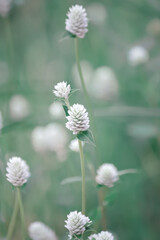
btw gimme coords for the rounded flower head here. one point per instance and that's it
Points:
(107, 174)
(78, 119)
(5, 6)
(137, 55)
(104, 235)
(62, 90)
(77, 223)
(39, 231)
(17, 171)
(77, 21)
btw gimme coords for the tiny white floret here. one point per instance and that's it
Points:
(137, 55)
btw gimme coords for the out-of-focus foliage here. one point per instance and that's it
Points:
(33, 58)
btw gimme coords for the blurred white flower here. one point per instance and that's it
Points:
(105, 84)
(1, 121)
(38, 139)
(77, 21)
(97, 13)
(56, 110)
(107, 175)
(74, 146)
(142, 130)
(77, 223)
(62, 90)
(87, 72)
(93, 237)
(137, 55)
(52, 137)
(78, 119)
(19, 107)
(153, 27)
(5, 6)
(39, 231)
(17, 171)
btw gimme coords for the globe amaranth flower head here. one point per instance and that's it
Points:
(17, 171)
(78, 119)
(62, 90)
(104, 235)
(77, 21)
(77, 223)
(39, 231)
(107, 175)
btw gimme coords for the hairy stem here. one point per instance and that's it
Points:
(83, 177)
(103, 210)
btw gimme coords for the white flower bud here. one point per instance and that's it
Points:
(77, 223)
(74, 146)
(78, 119)
(39, 231)
(93, 237)
(107, 174)
(62, 90)
(77, 21)
(137, 55)
(17, 171)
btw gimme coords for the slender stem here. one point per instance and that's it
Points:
(14, 215)
(103, 210)
(80, 72)
(83, 177)
(21, 211)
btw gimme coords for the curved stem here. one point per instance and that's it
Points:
(83, 177)
(14, 215)
(21, 211)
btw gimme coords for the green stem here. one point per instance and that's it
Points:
(21, 211)
(83, 177)
(14, 215)
(103, 210)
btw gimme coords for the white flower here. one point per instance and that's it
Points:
(137, 55)
(77, 21)
(77, 223)
(17, 171)
(104, 235)
(74, 146)
(107, 174)
(39, 231)
(56, 110)
(5, 6)
(62, 90)
(104, 84)
(52, 137)
(78, 119)
(19, 107)
(93, 237)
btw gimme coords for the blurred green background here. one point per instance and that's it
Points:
(34, 56)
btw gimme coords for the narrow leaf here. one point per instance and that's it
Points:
(86, 136)
(65, 110)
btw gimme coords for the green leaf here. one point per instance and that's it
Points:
(65, 110)
(95, 214)
(86, 136)
(67, 35)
